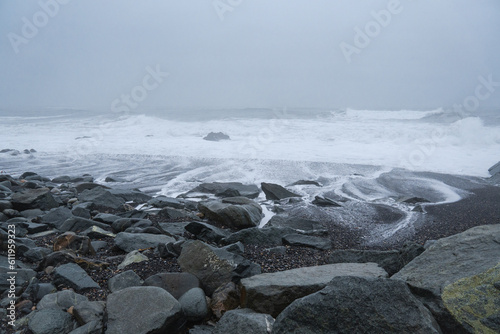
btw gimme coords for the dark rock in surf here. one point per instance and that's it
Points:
(216, 136)
(324, 201)
(207, 232)
(276, 192)
(225, 189)
(247, 214)
(307, 241)
(101, 197)
(305, 183)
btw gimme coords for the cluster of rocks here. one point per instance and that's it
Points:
(66, 281)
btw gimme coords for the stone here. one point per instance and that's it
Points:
(475, 301)
(358, 305)
(307, 241)
(276, 192)
(81, 187)
(51, 321)
(132, 257)
(23, 276)
(40, 198)
(131, 195)
(304, 226)
(32, 213)
(176, 284)
(44, 289)
(37, 254)
(231, 215)
(78, 224)
(73, 276)
(222, 189)
(495, 169)
(194, 305)
(216, 136)
(95, 232)
(225, 298)
(56, 217)
(101, 197)
(62, 299)
(207, 232)
(143, 310)
(244, 321)
(266, 236)
(69, 240)
(122, 224)
(324, 201)
(81, 212)
(170, 213)
(124, 280)
(106, 218)
(93, 327)
(272, 292)
(413, 200)
(132, 241)
(5, 205)
(87, 311)
(164, 202)
(214, 266)
(447, 261)
(99, 244)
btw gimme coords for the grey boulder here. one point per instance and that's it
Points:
(247, 214)
(72, 275)
(276, 192)
(194, 305)
(244, 321)
(51, 321)
(132, 241)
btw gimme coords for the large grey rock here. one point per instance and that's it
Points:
(392, 260)
(233, 188)
(132, 241)
(194, 305)
(133, 257)
(266, 236)
(276, 192)
(93, 327)
(306, 226)
(164, 202)
(62, 299)
(244, 321)
(447, 261)
(124, 280)
(232, 215)
(101, 197)
(131, 195)
(358, 305)
(122, 224)
(56, 217)
(207, 232)
(87, 311)
(214, 266)
(143, 310)
(40, 198)
(272, 292)
(51, 321)
(72, 275)
(296, 239)
(176, 284)
(78, 224)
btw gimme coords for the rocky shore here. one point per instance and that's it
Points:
(82, 257)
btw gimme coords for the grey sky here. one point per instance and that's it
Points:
(264, 53)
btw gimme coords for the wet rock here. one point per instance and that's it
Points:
(51, 321)
(413, 200)
(307, 241)
(194, 305)
(447, 261)
(34, 199)
(272, 292)
(225, 298)
(81, 187)
(232, 215)
(131, 195)
(214, 266)
(164, 202)
(143, 310)
(77, 224)
(37, 254)
(79, 244)
(101, 197)
(176, 284)
(276, 192)
(87, 311)
(216, 136)
(306, 226)
(132, 241)
(207, 232)
(132, 257)
(324, 201)
(244, 321)
(223, 189)
(22, 277)
(123, 224)
(124, 280)
(305, 183)
(62, 299)
(80, 211)
(358, 305)
(56, 217)
(106, 218)
(73, 276)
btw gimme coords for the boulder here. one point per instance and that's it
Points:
(95, 232)
(358, 305)
(276, 192)
(124, 280)
(51, 321)
(176, 284)
(447, 261)
(62, 299)
(225, 298)
(207, 232)
(106, 218)
(232, 215)
(101, 197)
(73, 276)
(324, 201)
(222, 189)
(301, 225)
(86, 311)
(216, 136)
(40, 198)
(93, 327)
(307, 241)
(56, 217)
(266, 236)
(131, 195)
(123, 224)
(69, 240)
(272, 292)
(244, 321)
(133, 257)
(170, 213)
(143, 310)
(78, 224)
(214, 266)
(132, 241)
(194, 305)
(164, 202)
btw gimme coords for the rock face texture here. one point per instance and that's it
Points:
(143, 310)
(276, 192)
(244, 321)
(236, 212)
(443, 264)
(358, 305)
(272, 292)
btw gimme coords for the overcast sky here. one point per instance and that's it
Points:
(248, 53)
